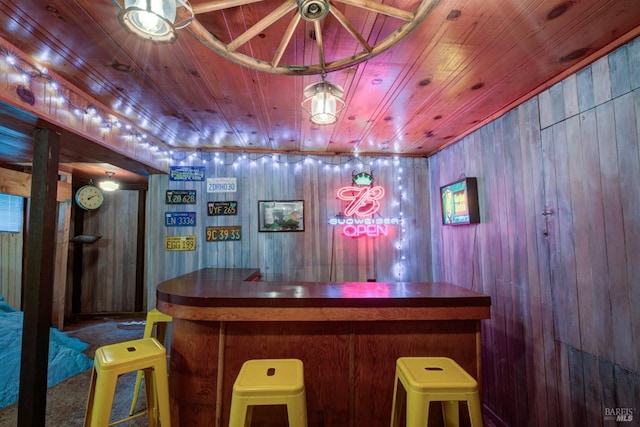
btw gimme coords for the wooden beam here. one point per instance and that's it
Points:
(39, 280)
(318, 31)
(272, 17)
(19, 184)
(286, 38)
(350, 29)
(384, 9)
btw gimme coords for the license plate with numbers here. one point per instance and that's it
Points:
(180, 197)
(180, 243)
(222, 208)
(223, 233)
(180, 219)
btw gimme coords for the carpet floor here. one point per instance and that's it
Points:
(66, 401)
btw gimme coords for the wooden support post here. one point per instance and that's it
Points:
(39, 280)
(140, 259)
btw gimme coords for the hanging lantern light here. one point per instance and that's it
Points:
(109, 184)
(323, 101)
(154, 19)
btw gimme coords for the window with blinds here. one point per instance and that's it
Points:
(11, 213)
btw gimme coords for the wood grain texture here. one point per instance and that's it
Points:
(556, 246)
(324, 314)
(11, 256)
(349, 366)
(109, 265)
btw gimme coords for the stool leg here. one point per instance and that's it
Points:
(417, 410)
(451, 413)
(399, 395)
(152, 401)
(248, 416)
(161, 332)
(475, 410)
(162, 393)
(297, 411)
(102, 401)
(136, 393)
(238, 414)
(90, 399)
(148, 332)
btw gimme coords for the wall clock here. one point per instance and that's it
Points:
(89, 197)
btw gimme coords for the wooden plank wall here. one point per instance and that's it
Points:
(320, 253)
(11, 247)
(557, 248)
(109, 265)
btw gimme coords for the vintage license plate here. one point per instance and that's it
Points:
(222, 208)
(180, 219)
(179, 243)
(223, 233)
(222, 185)
(181, 197)
(186, 173)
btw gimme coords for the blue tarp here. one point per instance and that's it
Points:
(66, 357)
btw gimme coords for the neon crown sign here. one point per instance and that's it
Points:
(364, 202)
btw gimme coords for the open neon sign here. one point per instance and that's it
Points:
(363, 201)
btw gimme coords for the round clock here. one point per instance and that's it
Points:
(89, 197)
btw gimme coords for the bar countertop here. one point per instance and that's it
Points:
(349, 336)
(230, 294)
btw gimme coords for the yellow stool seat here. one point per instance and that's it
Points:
(269, 382)
(158, 320)
(434, 379)
(114, 360)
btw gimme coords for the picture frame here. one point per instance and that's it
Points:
(459, 202)
(280, 215)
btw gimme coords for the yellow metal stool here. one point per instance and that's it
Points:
(157, 320)
(269, 382)
(433, 379)
(114, 360)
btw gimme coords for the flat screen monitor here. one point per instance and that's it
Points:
(460, 202)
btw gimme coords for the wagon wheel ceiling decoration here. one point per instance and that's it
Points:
(310, 32)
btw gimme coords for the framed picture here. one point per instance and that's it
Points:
(460, 202)
(281, 215)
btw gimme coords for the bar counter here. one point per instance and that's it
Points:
(347, 334)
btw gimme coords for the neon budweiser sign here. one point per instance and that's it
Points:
(363, 203)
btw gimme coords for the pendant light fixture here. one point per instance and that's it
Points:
(109, 184)
(154, 19)
(323, 101)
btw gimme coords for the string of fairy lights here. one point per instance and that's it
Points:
(400, 197)
(23, 74)
(331, 164)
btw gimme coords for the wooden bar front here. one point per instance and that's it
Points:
(348, 335)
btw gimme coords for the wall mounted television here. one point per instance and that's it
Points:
(459, 201)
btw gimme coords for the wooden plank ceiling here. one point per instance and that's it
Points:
(465, 63)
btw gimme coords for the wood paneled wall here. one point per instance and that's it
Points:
(557, 249)
(109, 265)
(11, 247)
(320, 253)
